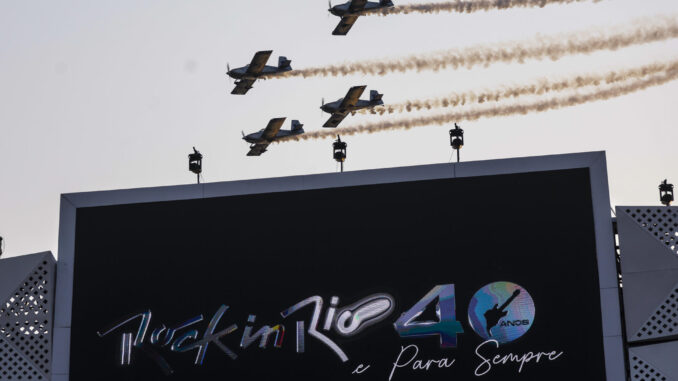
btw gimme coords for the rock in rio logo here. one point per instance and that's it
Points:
(500, 312)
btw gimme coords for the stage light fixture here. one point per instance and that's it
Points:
(339, 151)
(195, 163)
(666, 193)
(457, 139)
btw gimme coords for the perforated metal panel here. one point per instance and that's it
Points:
(664, 321)
(642, 371)
(660, 222)
(26, 319)
(648, 238)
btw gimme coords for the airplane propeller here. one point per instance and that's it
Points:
(228, 70)
(243, 133)
(329, 11)
(321, 106)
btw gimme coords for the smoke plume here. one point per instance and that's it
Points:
(539, 87)
(555, 47)
(497, 110)
(470, 6)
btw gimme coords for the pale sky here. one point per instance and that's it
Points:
(101, 95)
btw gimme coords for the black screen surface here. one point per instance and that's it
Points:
(261, 254)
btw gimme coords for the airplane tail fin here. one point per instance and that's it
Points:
(375, 96)
(297, 127)
(386, 3)
(284, 63)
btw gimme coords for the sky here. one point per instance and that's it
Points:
(113, 95)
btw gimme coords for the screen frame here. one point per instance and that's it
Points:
(613, 344)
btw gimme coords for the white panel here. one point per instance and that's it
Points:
(234, 188)
(128, 196)
(64, 299)
(64, 291)
(381, 176)
(605, 251)
(353, 178)
(527, 164)
(614, 359)
(609, 300)
(60, 357)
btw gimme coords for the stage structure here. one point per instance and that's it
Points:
(497, 270)
(26, 313)
(648, 243)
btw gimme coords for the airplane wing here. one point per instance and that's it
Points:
(344, 25)
(335, 119)
(272, 129)
(357, 5)
(352, 97)
(242, 86)
(257, 149)
(258, 62)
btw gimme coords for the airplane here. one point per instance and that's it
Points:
(261, 139)
(350, 103)
(350, 11)
(246, 75)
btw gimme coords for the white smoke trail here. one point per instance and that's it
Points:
(470, 6)
(496, 111)
(540, 87)
(554, 47)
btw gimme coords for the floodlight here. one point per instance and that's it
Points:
(195, 163)
(666, 193)
(457, 139)
(339, 151)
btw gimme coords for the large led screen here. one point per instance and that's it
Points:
(491, 277)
